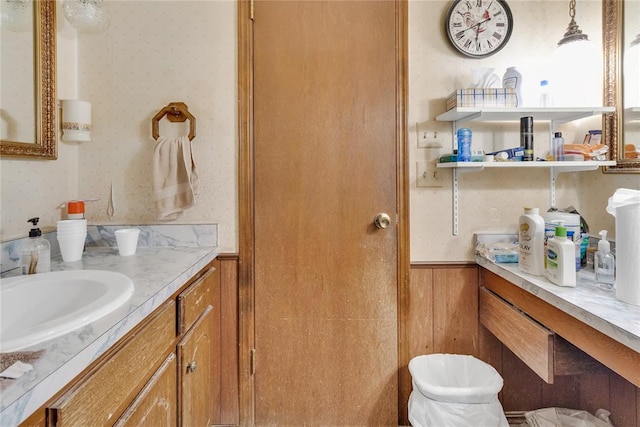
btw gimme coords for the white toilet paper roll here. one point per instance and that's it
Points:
(628, 253)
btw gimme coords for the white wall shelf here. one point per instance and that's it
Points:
(557, 115)
(553, 116)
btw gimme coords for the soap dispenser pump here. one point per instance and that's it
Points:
(604, 263)
(36, 251)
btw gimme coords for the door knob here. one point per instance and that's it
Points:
(191, 367)
(382, 220)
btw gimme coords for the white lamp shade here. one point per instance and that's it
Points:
(76, 120)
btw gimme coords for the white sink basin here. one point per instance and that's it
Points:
(39, 307)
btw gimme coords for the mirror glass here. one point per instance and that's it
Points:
(27, 94)
(621, 130)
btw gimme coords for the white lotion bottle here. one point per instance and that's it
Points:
(561, 258)
(513, 79)
(604, 263)
(531, 242)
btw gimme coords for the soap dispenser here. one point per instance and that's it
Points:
(604, 263)
(36, 251)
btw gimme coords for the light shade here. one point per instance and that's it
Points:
(573, 33)
(90, 16)
(76, 120)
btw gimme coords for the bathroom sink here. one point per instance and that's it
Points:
(38, 307)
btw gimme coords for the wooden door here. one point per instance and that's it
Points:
(327, 142)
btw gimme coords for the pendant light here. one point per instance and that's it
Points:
(574, 75)
(574, 33)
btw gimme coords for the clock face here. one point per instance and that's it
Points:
(479, 28)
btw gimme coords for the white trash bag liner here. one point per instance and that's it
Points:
(454, 390)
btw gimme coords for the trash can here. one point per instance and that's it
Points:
(454, 390)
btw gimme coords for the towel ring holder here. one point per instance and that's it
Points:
(175, 112)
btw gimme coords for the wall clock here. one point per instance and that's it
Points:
(479, 28)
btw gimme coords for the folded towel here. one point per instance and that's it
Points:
(175, 178)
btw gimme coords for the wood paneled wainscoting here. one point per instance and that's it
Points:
(441, 316)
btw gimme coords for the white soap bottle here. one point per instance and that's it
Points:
(561, 258)
(36, 252)
(604, 263)
(531, 242)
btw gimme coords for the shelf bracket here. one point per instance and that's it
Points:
(553, 174)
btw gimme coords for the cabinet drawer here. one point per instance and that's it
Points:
(193, 300)
(527, 339)
(103, 394)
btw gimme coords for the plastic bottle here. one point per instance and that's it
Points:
(561, 262)
(604, 263)
(531, 242)
(545, 95)
(36, 252)
(571, 223)
(557, 147)
(464, 145)
(526, 137)
(513, 79)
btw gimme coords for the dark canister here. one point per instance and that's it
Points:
(526, 137)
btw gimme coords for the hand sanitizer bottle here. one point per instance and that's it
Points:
(604, 263)
(36, 251)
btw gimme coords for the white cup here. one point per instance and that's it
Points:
(127, 240)
(71, 246)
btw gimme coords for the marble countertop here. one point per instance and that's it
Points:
(586, 302)
(157, 273)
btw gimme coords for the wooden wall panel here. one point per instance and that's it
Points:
(455, 310)
(229, 413)
(624, 401)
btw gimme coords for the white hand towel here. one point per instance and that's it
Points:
(175, 178)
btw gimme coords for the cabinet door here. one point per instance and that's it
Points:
(196, 372)
(156, 403)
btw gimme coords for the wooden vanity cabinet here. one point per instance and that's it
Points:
(163, 373)
(550, 341)
(108, 387)
(198, 354)
(156, 403)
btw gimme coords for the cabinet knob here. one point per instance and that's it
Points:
(191, 367)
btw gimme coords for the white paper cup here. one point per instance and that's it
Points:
(127, 240)
(71, 247)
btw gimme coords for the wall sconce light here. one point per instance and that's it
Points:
(17, 15)
(574, 33)
(76, 120)
(89, 16)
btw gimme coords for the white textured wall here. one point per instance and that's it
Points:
(494, 199)
(156, 52)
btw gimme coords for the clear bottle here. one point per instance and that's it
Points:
(531, 242)
(545, 94)
(557, 147)
(36, 252)
(604, 263)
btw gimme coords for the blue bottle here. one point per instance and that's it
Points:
(464, 145)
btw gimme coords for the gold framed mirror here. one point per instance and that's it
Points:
(620, 129)
(44, 144)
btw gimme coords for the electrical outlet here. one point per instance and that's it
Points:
(427, 175)
(428, 139)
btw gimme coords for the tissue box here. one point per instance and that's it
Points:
(501, 97)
